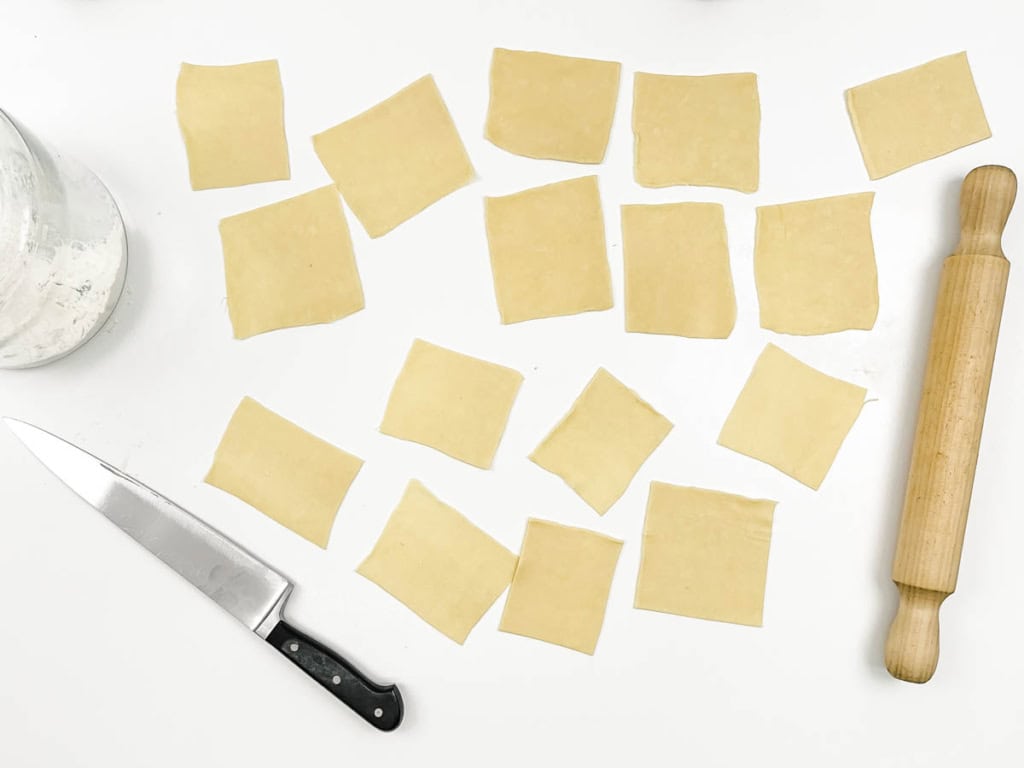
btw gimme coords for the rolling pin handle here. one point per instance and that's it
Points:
(986, 199)
(912, 649)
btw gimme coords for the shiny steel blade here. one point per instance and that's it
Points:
(244, 586)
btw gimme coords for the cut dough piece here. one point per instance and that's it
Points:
(452, 402)
(397, 158)
(677, 270)
(232, 120)
(916, 115)
(814, 263)
(285, 472)
(548, 251)
(791, 416)
(289, 264)
(705, 554)
(440, 565)
(552, 107)
(600, 445)
(561, 585)
(701, 131)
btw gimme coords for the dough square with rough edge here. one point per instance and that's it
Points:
(677, 272)
(232, 120)
(552, 107)
(286, 473)
(548, 254)
(601, 443)
(916, 115)
(560, 588)
(704, 554)
(452, 402)
(792, 416)
(814, 264)
(290, 263)
(397, 158)
(438, 564)
(696, 130)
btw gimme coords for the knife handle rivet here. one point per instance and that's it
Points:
(336, 680)
(378, 712)
(293, 647)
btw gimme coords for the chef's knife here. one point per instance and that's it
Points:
(244, 586)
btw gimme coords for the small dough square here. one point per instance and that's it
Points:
(290, 264)
(814, 263)
(916, 115)
(702, 131)
(678, 280)
(705, 554)
(452, 402)
(561, 585)
(397, 158)
(438, 564)
(602, 442)
(552, 107)
(232, 120)
(286, 473)
(792, 416)
(548, 252)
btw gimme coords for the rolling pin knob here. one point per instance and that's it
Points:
(912, 649)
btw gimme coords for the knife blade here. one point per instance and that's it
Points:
(242, 584)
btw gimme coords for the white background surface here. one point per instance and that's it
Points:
(106, 658)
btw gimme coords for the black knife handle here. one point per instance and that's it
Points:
(379, 705)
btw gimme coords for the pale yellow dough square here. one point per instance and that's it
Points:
(814, 263)
(677, 270)
(705, 554)
(232, 120)
(452, 402)
(552, 107)
(916, 115)
(397, 158)
(702, 130)
(289, 264)
(547, 249)
(601, 443)
(438, 564)
(283, 471)
(561, 585)
(792, 416)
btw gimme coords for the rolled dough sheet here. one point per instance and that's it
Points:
(561, 585)
(452, 402)
(814, 262)
(289, 264)
(792, 416)
(705, 554)
(436, 562)
(548, 252)
(915, 115)
(232, 120)
(601, 443)
(397, 158)
(677, 270)
(285, 472)
(552, 107)
(696, 130)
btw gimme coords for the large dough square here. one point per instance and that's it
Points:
(705, 554)
(561, 585)
(552, 107)
(440, 565)
(283, 471)
(232, 120)
(548, 251)
(701, 130)
(289, 264)
(677, 270)
(452, 402)
(397, 158)
(792, 416)
(601, 443)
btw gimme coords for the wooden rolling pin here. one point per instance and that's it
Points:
(949, 421)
